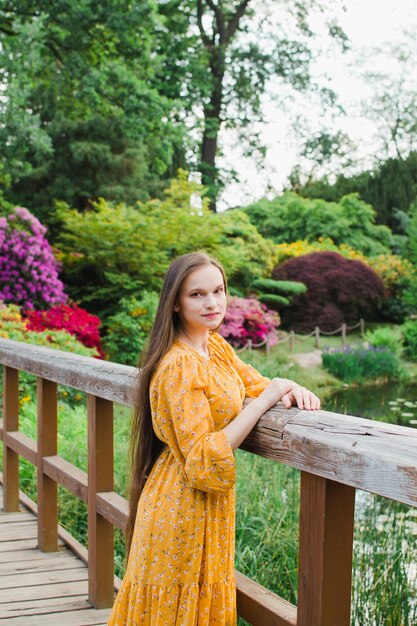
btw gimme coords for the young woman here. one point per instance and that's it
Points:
(187, 423)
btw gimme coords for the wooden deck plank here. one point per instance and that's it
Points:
(87, 617)
(44, 578)
(57, 590)
(36, 566)
(11, 532)
(18, 544)
(33, 555)
(45, 607)
(38, 587)
(12, 518)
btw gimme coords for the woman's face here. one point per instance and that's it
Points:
(202, 302)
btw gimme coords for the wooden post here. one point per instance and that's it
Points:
(325, 553)
(292, 340)
(362, 326)
(10, 423)
(317, 336)
(343, 335)
(47, 399)
(100, 478)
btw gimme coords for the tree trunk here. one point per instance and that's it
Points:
(212, 122)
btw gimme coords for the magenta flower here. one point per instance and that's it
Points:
(28, 268)
(248, 319)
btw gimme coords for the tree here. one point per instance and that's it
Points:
(218, 56)
(80, 115)
(290, 217)
(390, 187)
(338, 290)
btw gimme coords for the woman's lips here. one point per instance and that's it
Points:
(210, 315)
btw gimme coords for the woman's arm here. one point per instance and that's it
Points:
(279, 389)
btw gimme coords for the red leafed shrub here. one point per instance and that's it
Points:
(74, 319)
(338, 290)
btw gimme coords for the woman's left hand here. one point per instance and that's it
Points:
(302, 397)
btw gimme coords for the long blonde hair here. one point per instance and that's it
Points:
(145, 447)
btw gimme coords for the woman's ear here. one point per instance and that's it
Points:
(176, 308)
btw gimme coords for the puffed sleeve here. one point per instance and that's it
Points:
(182, 418)
(253, 381)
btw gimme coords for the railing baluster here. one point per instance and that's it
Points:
(325, 557)
(47, 398)
(100, 478)
(10, 423)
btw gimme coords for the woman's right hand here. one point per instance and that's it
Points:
(289, 392)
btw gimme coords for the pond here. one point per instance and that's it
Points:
(395, 402)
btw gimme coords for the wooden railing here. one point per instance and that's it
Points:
(335, 453)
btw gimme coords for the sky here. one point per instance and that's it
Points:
(368, 24)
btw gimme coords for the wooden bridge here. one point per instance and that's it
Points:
(335, 454)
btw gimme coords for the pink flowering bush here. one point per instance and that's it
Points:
(73, 319)
(28, 268)
(248, 319)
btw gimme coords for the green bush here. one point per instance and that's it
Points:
(357, 364)
(410, 338)
(128, 329)
(385, 338)
(351, 221)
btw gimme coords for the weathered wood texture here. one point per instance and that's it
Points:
(100, 378)
(40, 588)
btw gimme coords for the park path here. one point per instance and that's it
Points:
(307, 359)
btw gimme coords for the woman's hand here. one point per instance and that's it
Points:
(289, 393)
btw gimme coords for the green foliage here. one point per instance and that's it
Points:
(127, 330)
(245, 254)
(282, 286)
(274, 300)
(385, 337)
(115, 251)
(354, 365)
(390, 188)
(80, 115)
(410, 338)
(290, 217)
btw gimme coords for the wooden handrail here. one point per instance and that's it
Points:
(335, 453)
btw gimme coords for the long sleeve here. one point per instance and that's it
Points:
(253, 381)
(182, 418)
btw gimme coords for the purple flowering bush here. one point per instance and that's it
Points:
(28, 268)
(248, 319)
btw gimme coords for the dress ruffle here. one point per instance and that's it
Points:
(192, 604)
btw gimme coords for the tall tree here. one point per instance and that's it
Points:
(81, 117)
(218, 56)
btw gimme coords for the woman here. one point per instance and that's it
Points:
(188, 421)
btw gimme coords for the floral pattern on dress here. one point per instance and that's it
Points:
(181, 565)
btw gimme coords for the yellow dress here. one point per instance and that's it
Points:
(181, 564)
